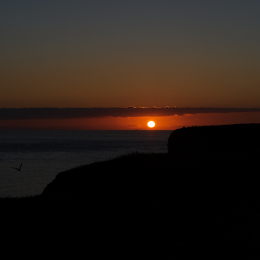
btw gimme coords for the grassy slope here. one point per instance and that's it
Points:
(155, 204)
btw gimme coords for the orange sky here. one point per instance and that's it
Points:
(129, 53)
(86, 54)
(131, 123)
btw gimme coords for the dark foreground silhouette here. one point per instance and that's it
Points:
(197, 203)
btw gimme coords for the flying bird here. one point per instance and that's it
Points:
(18, 169)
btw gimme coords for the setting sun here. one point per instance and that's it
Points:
(151, 124)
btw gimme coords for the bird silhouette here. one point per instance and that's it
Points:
(18, 169)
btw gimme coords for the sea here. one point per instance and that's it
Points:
(45, 153)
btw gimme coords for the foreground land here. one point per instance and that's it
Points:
(163, 206)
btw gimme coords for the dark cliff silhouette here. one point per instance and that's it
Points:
(243, 138)
(200, 199)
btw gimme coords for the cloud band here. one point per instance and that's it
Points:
(68, 113)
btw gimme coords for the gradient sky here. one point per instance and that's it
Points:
(106, 53)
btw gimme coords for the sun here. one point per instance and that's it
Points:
(151, 124)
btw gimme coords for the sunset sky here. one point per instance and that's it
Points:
(145, 53)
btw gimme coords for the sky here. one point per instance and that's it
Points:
(108, 53)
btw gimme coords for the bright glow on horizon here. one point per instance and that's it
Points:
(151, 124)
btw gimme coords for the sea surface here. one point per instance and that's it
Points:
(45, 153)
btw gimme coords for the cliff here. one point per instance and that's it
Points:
(202, 198)
(244, 138)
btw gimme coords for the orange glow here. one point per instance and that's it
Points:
(133, 123)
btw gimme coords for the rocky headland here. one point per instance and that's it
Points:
(201, 198)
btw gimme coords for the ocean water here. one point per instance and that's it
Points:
(45, 153)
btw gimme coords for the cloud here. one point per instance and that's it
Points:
(68, 113)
